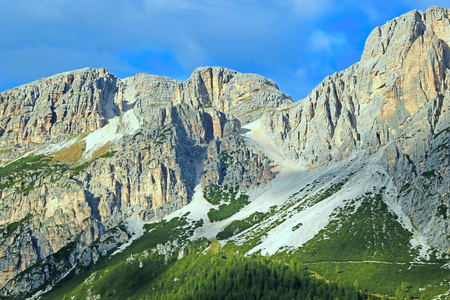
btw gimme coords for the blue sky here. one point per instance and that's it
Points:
(295, 43)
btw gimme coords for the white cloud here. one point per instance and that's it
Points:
(309, 9)
(191, 54)
(323, 41)
(31, 63)
(300, 73)
(425, 4)
(39, 38)
(372, 13)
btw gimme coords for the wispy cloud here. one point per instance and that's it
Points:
(172, 37)
(191, 54)
(34, 62)
(310, 9)
(425, 4)
(323, 41)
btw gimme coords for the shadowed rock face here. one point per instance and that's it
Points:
(118, 148)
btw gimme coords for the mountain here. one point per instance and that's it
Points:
(142, 174)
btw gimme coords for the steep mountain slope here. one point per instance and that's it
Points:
(112, 149)
(395, 101)
(355, 175)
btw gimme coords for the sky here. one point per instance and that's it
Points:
(295, 43)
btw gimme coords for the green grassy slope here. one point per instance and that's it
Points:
(140, 272)
(364, 252)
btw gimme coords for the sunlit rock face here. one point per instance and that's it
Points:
(393, 103)
(98, 149)
(85, 151)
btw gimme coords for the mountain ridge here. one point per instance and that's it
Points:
(87, 157)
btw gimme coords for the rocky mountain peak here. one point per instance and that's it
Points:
(144, 90)
(393, 103)
(53, 108)
(404, 70)
(243, 95)
(204, 87)
(397, 36)
(81, 101)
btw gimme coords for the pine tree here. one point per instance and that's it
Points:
(356, 285)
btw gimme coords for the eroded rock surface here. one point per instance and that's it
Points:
(84, 151)
(395, 101)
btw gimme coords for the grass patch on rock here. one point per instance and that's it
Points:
(238, 226)
(371, 232)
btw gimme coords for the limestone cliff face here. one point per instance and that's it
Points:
(53, 108)
(245, 96)
(404, 71)
(144, 92)
(59, 107)
(395, 101)
(101, 149)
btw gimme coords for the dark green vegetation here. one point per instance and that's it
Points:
(301, 203)
(296, 203)
(140, 272)
(163, 134)
(328, 192)
(233, 276)
(369, 245)
(11, 227)
(24, 172)
(215, 195)
(364, 242)
(442, 211)
(388, 278)
(240, 225)
(226, 158)
(361, 235)
(227, 210)
(107, 154)
(28, 163)
(120, 275)
(363, 251)
(75, 171)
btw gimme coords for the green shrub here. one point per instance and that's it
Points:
(11, 227)
(227, 210)
(238, 226)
